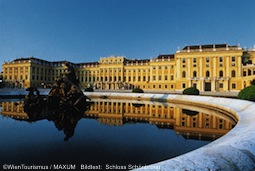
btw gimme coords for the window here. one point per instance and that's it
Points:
(207, 59)
(195, 74)
(233, 58)
(183, 60)
(207, 74)
(221, 85)
(172, 77)
(221, 59)
(244, 73)
(183, 85)
(221, 73)
(194, 124)
(249, 72)
(220, 126)
(194, 60)
(233, 73)
(166, 77)
(233, 86)
(183, 74)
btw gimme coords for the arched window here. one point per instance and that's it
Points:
(194, 73)
(221, 74)
(233, 73)
(183, 74)
(207, 74)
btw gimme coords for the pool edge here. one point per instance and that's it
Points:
(233, 151)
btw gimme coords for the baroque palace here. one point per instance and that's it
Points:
(215, 67)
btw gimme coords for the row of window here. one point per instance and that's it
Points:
(162, 67)
(207, 59)
(207, 74)
(221, 85)
(128, 78)
(89, 79)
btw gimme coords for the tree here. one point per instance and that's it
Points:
(191, 91)
(247, 93)
(137, 90)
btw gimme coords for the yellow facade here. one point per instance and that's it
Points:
(217, 67)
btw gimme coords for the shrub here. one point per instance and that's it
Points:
(89, 89)
(137, 90)
(247, 93)
(191, 91)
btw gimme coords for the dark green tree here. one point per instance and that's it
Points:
(191, 91)
(247, 93)
(137, 90)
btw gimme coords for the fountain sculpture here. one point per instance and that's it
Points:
(64, 105)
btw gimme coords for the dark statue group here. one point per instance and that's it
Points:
(64, 105)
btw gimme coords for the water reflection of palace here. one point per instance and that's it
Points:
(205, 124)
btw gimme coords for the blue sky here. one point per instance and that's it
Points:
(85, 30)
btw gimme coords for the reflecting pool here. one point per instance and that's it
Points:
(110, 132)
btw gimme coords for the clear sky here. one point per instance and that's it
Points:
(85, 30)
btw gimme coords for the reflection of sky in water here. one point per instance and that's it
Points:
(41, 142)
(93, 143)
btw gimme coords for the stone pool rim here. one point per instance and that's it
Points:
(233, 151)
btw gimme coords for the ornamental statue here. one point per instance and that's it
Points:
(65, 100)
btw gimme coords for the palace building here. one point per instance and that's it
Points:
(215, 67)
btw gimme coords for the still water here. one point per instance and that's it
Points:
(110, 132)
